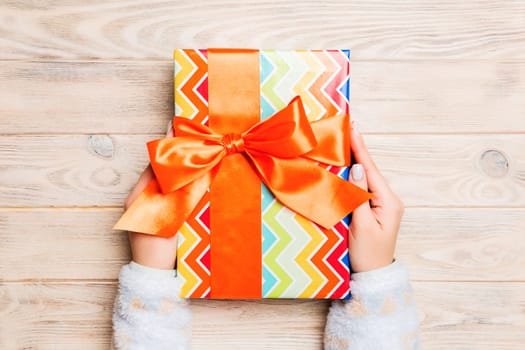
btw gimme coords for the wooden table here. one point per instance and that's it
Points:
(438, 88)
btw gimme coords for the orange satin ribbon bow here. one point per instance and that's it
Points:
(283, 151)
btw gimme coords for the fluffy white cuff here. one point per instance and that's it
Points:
(380, 315)
(148, 312)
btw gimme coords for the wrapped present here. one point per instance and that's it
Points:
(254, 182)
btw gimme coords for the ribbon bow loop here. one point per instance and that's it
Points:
(286, 134)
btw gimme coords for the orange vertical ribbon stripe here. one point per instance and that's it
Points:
(235, 205)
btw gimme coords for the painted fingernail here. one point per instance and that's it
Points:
(355, 127)
(170, 126)
(357, 172)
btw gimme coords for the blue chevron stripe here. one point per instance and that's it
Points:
(266, 70)
(268, 240)
(344, 89)
(266, 108)
(266, 67)
(269, 281)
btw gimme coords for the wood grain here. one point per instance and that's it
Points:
(469, 244)
(439, 97)
(436, 244)
(467, 316)
(71, 314)
(452, 170)
(70, 170)
(67, 244)
(137, 97)
(425, 170)
(375, 29)
(85, 97)
(437, 88)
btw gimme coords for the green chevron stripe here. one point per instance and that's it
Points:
(268, 88)
(288, 259)
(284, 280)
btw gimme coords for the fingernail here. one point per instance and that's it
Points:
(357, 172)
(355, 128)
(170, 126)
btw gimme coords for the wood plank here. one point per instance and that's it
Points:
(81, 170)
(85, 97)
(69, 244)
(438, 244)
(426, 170)
(374, 29)
(78, 316)
(439, 97)
(453, 170)
(464, 316)
(55, 316)
(137, 97)
(463, 244)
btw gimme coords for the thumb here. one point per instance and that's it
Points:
(362, 216)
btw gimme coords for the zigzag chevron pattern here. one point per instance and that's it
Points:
(191, 84)
(191, 101)
(299, 259)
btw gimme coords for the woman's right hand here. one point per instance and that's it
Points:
(375, 224)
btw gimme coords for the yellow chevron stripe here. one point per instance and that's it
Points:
(301, 88)
(187, 109)
(305, 262)
(190, 279)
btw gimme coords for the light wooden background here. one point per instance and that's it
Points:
(438, 87)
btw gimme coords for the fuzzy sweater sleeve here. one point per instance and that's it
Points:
(148, 312)
(381, 313)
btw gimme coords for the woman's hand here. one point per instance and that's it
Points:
(149, 250)
(375, 224)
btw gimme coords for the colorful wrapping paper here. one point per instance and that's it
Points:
(299, 259)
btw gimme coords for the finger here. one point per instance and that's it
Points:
(169, 131)
(376, 183)
(362, 216)
(145, 177)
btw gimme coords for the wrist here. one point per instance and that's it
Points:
(371, 266)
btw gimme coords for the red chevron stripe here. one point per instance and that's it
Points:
(341, 228)
(191, 83)
(335, 170)
(341, 290)
(202, 89)
(316, 89)
(332, 89)
(334, 287)
(204, 218)
(192, 259)
(317, 259)
(205, 259)
(199, 98)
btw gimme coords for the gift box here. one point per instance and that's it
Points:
(254, 183)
